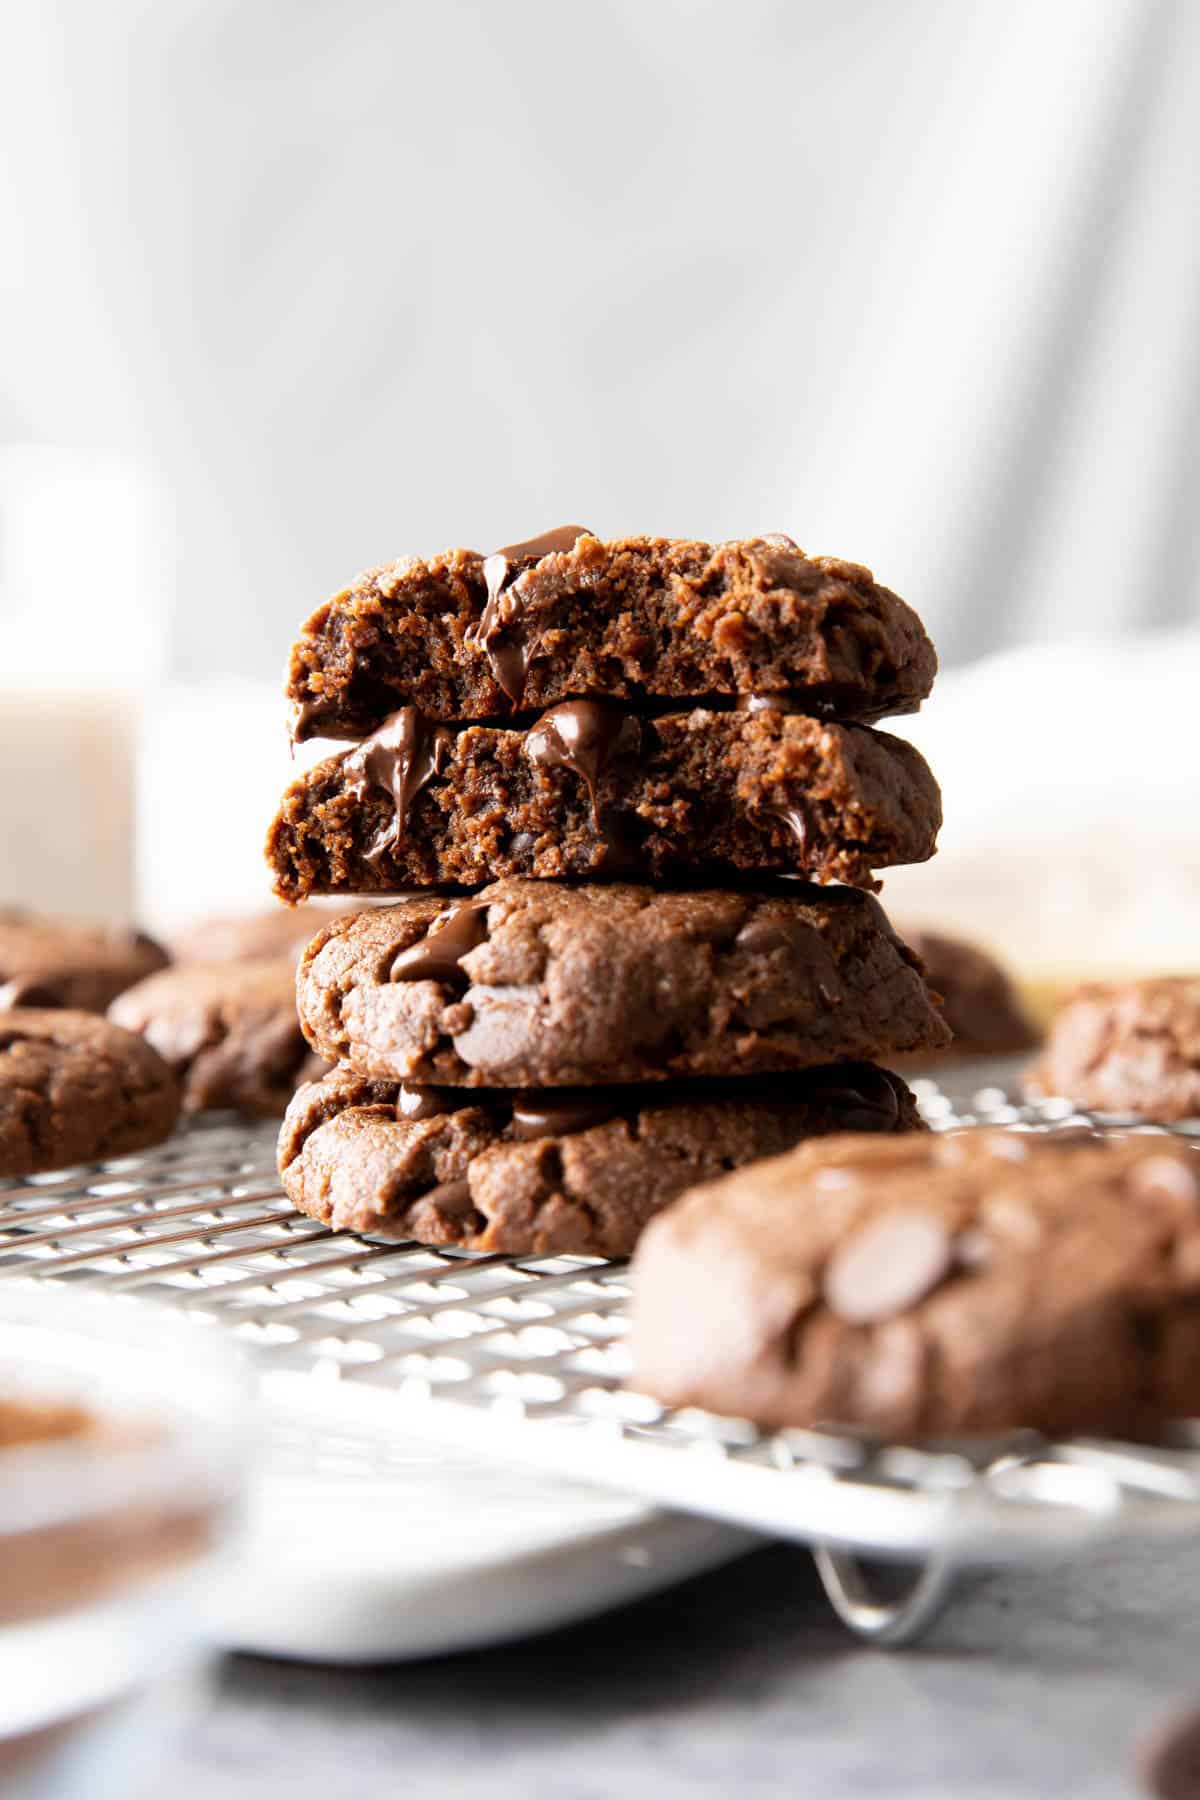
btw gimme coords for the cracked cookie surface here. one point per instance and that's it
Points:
(542, 984)
(672, 618)
(75, 1088)
(550, 1172)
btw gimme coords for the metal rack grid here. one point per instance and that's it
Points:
(525, 1355)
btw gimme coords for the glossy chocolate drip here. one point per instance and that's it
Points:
(416, 1103)
(796, 820)
(550, 1112)
(501, 632)
(785, 702)
(401, 758)
(585, 736)
(306, 714)
(451, 935)
(864, 1096)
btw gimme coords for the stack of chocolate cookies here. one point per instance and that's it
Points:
(618, 776)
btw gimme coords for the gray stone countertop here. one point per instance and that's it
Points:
(740, 1682)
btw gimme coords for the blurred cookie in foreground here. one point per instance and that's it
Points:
(246, 937)
(46, 962)
(75, 1088)
(965, 1283)
(1126, 1047)
(229, 1030)
(979, 1001)
(551, 1171)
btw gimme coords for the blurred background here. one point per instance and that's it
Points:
(291, 287)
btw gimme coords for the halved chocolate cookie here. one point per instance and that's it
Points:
(591, 789)
(465, 636)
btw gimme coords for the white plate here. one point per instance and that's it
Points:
(363, 1546)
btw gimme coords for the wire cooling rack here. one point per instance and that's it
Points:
(525, 1357)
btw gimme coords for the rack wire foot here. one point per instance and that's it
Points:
(870, 1616)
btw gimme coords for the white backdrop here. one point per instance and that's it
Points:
(916, 281)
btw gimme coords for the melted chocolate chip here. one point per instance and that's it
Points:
(585, 736)
(547, 1112)
(888, 1266)
(416, 1103)
(866, 1098)
(780, 540)
(306, 719)
(436, 956)
(401, 758)
(796, 820)
(501, 632)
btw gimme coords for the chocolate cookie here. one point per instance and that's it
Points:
(1127, 1047)
(534, 983)
(551, 1172)
(975, 1282)
(228, 1029)
(248, 937)
(591, 789)
(464, 636)
(979, 1002)
(66, 962)
(74, 1088)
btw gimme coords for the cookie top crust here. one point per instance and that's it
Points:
(971, 1282)
(75, 1088)
(229, 1030)
(545, 984)
(464, 636)
(551, 1171)
(1130, 1047)
(48, 962)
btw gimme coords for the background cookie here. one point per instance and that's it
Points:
(534, 983)
(591, 788)
(969, 1283)
(249, 937)
(979, 1002)
(74, 1088)
(1127, 1047)
(571, 615)
(66, 962)
(565, 1170)
(228, 1029)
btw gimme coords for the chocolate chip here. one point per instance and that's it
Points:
(436, 956)
(548, 1112)
(888, 1266)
